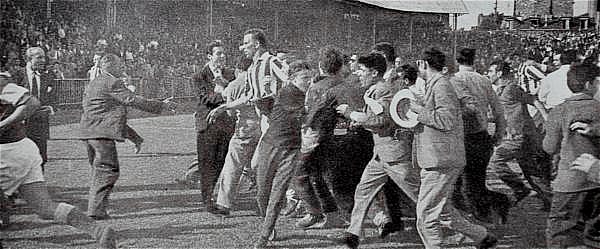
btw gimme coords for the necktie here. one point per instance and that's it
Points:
(34, 86)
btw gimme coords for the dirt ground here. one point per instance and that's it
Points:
(150, 211)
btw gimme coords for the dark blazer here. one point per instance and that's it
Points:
(570, 144)
(104, 108)
(38, 127)
(439, 139)
(47, 88)
(204, 84)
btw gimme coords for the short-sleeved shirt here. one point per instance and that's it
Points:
(247, 123)
(11, 97)
(285, 120)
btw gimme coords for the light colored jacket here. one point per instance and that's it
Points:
(439, 139)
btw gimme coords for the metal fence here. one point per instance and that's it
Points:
(69, 92)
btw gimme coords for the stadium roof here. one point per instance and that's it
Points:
(427, 6)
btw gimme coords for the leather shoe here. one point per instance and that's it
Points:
(346, 238)
(216, 210)
(389, 228)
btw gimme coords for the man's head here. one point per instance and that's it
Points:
(12, 58)
(387, 50)
(582, 77)
(215, 53)
(398, 62)
(409, 74)
(112, 64)
(568, 56)
(254, 40)
(432, 61)
(466, 57)
(499, 69)
(300, 74)
(372, 67)
(331, 60)
(36, 58)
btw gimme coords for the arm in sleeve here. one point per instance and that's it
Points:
(25, 107)
(497, 112)
(444, 113)
(553, 136)
(126, 97)
(376, 120)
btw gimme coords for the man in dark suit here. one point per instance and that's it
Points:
(40, 84)
(103, 122)
(212, 139)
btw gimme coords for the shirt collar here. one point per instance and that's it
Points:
(465, 68)
(433, 78)
(30, 70)
(263, 56)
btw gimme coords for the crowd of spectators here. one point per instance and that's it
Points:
(162, 53)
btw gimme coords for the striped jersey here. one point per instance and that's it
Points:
(266, 76)
(529, 78)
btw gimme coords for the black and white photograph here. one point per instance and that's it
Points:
(317, 124)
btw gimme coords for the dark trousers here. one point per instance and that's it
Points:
(211, 144)
(310, 184)
(349, 155)
(535, 168)
(471, 193)
(38, 130)
(573, 220)
(131, 135)
(102, 155)
(275, 170)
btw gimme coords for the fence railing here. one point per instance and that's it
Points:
(69, 92)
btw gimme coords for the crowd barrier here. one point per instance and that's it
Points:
(69, 92)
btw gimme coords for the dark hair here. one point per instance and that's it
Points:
(297, 66)
(212, 45)
(387, 49)
(579, 74)
(568, 56)
(466, 56)
(374, 61)
(411, 72)
(259, 35)
(243, 63)
(108, 59)
(435, 58)
(502, 66)
(331, 59)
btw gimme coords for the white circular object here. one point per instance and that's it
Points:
(411, 117)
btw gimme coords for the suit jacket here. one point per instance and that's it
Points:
(47, 88)
(38, 126)
(439, 139)
(570, 144)
(205, 82)
(104, 108)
